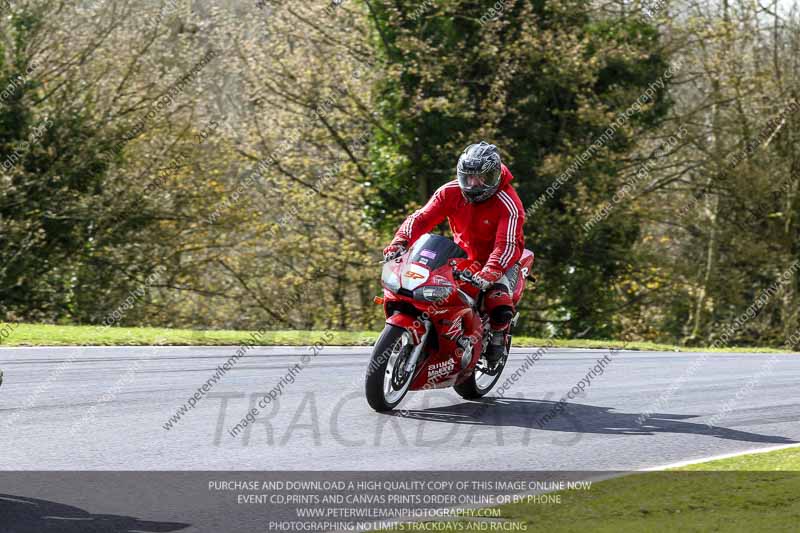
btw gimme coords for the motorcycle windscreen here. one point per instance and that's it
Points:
(434, 251)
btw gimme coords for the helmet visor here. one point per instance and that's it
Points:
(478, 182)
(473, 181)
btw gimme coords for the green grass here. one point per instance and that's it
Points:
(781, 460)
(750, 493)
(48, 335)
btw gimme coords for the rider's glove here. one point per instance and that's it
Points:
(486, 278)
(394, 250)
(474, 267)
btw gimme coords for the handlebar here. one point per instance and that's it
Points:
(384, 260)
(464, 275)
(402, 250)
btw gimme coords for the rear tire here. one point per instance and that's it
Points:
(479, 384)
(389, 348)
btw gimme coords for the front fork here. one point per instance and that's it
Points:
(418, 331)
(411, 364)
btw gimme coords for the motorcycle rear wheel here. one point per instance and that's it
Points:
(479, 383)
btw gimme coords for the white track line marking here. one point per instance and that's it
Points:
(718, 457)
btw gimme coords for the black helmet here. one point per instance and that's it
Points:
(478, 171)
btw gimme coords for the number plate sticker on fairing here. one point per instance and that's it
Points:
(414, 276)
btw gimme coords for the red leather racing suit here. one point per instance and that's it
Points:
(490, 232)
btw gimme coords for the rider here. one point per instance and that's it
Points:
(486, 218)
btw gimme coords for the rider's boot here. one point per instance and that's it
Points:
(497, 347)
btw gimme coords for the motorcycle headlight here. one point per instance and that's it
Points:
(433, 294)
(390, 280)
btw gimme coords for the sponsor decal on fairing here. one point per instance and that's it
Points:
(440, 369)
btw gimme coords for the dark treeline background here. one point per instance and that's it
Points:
(216, 159)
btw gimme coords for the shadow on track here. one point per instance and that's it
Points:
(29, 515)
(575, 418)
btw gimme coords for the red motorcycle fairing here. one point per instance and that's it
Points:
(525, 268)
(451, 319)
(442, 367)
(423, 288)
(413, 325)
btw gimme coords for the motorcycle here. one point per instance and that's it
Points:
(435, 335)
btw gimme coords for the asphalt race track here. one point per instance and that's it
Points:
(91, 441)
(100, 408)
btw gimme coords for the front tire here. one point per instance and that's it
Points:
(387, 383)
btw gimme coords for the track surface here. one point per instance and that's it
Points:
(104, 409)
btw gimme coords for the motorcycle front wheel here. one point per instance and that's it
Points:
(387, 382)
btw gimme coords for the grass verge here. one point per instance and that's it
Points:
(756, 492)
(49, 335)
